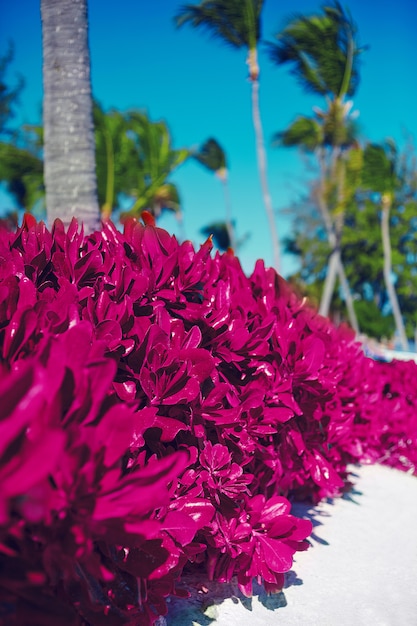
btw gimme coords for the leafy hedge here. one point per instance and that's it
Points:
(158, 408)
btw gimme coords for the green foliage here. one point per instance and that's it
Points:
(115, 157)
(372, 321)
(379, 172)
(134, 158)
(21, 167)
(220, 234)
(375, 170)
(322, 50)
(22, 171)
(235, 22)
(212, 156)
(153, 162)
(305, 132)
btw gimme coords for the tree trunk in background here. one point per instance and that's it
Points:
(335, 269)
(69, 146)
(335, 264)
(228, 210)
(260, 147)
(329, 282)
(386, 246)
(348, 297)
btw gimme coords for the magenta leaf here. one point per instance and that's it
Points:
(180, 526)
(277, 555)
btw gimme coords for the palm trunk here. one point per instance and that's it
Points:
(260, 147)
(335, 265)
(335, 270)
(348, 297)
(329, 282)
(69, 150)
(386, 246)
(228, 210)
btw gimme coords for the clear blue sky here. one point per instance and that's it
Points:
(199, 86)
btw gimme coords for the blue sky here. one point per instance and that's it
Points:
(199, 87)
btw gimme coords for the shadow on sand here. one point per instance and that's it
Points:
(202, 607)
(205, 597)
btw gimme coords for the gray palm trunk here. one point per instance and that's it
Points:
(335, 266)
(69, 146)
(261, 154)
(386, 246)
(335, 269)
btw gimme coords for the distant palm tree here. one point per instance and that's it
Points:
(220, 233)
(212, 156)
(238, 23)
(309, 134)
(380, 175)
(115, 156)
(69, 153)
(153, 160)
(323, 52)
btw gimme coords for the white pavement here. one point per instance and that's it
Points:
(360, 571)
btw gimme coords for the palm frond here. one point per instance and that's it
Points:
(235, 22)
(304, 132)
(220, 233)
(379, 172)
(211, 155)
(322, 50)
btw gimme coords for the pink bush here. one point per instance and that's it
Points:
(158, 407)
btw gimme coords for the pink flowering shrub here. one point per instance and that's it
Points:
(158, 408)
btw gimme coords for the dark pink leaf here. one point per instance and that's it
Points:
(277, 555)
(180, 526)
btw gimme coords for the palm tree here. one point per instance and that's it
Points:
(212, 156)
(114, 175)
(380, 175)
(323, 53)
(238, 23)
(153, 160)
(70, 176)
(310, 134)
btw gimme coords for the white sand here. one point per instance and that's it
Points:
(360, 571)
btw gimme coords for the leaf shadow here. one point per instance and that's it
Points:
(201, 608)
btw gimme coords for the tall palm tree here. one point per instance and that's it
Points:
(70, 176)
(238, 23)
(310, 134)
(380, 175)
(212, 156)
(323, 52)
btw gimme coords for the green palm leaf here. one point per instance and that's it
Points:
(379, 172)
(235, 22)
(212, 156)
(322, 51)
(155, 160)
(304, 131)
